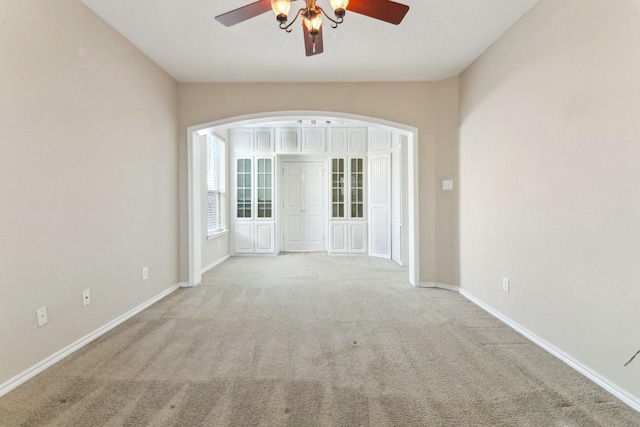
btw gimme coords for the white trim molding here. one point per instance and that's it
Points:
(26, 375)
(437, 285)
(213, 264)
(594, 376)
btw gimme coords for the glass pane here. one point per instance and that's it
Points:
(268, 168)
(337, 188)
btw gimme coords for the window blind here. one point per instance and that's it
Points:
(216, 185)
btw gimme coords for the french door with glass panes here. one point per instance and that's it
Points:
(254, 215)
(348, 226)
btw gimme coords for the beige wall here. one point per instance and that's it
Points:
(89, 180)
(415, 104)
(550, 180)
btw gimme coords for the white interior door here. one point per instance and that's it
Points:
(380, 205)
(303, 222)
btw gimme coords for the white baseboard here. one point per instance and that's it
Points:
(603, 382)
(14, 382)
(213, 264)
(438, 286)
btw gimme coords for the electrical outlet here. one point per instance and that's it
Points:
(145, 273)
(86, 297)
(505, 284)
(41, 313)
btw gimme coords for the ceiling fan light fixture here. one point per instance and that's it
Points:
(281, 9)
(383, 10)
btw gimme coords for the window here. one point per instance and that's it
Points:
(216, 185)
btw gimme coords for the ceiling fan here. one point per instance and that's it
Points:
(384, 10)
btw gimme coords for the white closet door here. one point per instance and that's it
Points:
(314, 185)
(380, 205)
(303, 206)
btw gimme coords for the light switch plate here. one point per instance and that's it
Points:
(447, 185)
(43, 318)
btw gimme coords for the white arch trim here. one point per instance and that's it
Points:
(195, 133)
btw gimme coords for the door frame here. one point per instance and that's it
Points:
(195, 133)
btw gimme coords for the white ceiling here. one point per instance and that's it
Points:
(436, 40)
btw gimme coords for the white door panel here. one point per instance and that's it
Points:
(380, 206)
(293, 228)
(339, 237)
(244, 237)
(396, 204)
(265, 238)
(379, 238)
(358, 238)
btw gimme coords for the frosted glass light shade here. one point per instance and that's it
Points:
(281, 7)
(313, 24)
(339, 4)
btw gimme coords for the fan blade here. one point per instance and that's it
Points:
(384, 10)
(311, 47)
(243, 13)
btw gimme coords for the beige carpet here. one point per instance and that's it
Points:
(312, 340)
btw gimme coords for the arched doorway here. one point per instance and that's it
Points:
(195, 133)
